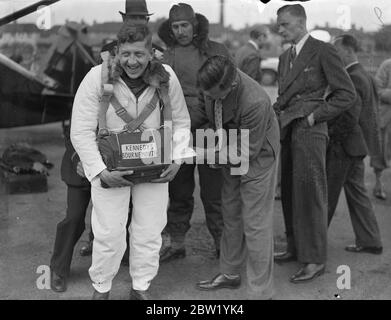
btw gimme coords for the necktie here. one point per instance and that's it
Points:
(292, 55)
(219, 121)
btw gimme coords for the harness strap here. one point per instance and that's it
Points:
(107, 93)
(160, 95)
(145, 113)
(120, 110)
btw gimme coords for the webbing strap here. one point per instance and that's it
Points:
(131, 123)
(109, 97)
(145, 113)
(120, 110)
(107, 92)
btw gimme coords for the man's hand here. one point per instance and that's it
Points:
(311, 120)
(158, 54)
(115, 179)
(80, 170)
(168, 174)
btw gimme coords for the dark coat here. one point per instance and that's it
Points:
(247, 106)
(248, 59)
(69, 163)
(302, 89)
(369, 118)
(349, 127)
(206, 47)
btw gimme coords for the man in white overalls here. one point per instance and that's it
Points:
(137, 80)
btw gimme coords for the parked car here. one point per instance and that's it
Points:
(269, 69)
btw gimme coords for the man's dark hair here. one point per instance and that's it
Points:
(133, 33)
(258, 31)
(254, 34)
(296, 10)
(219, 70)
(348, 41)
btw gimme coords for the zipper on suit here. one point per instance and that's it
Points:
(136, 106)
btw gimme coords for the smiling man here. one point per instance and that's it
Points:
(71, 228)
(136, 79)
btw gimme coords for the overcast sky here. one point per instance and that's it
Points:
(363, 13)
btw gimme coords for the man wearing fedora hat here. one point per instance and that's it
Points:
(136, 12)
(185, 34)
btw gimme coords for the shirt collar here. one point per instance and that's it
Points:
(301, 43)
(254, 44)
(351, 64)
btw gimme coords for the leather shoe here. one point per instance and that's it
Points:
(358, 249)
(308, 273)
(57, 282)
(285, 256)
(125, 258)
(139, 295)
(171, 254)
(86, 250)
(219, 282)
(100, 295)
(125, 261)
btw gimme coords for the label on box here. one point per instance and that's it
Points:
(139, 151)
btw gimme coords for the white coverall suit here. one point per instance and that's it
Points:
(110, 206)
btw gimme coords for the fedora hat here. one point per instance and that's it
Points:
(136, 8)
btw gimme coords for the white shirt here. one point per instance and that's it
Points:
(254, 44)
(301, 43)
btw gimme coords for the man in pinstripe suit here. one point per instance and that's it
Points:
(305, 71)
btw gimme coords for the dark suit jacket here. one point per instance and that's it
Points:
(69, 163)
(302, 89)
(248, 59)
(247, 106)
(347, 128)
(369, 118)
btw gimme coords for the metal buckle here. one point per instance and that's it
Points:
(103, 132)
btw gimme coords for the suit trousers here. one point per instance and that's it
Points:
(181, 207)
(108, 219)
(70, 229)
(247, 207)
(381, 162)
(344, 171)
(304, 190)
